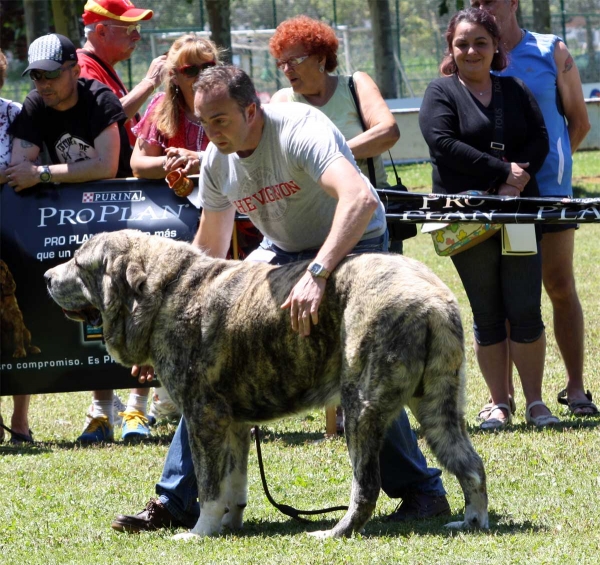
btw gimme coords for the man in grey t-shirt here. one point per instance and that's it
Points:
(291, 171)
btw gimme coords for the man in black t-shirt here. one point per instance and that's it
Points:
(79, 120)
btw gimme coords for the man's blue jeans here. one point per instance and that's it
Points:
(403, 468)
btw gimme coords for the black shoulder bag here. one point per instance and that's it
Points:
(398, 230)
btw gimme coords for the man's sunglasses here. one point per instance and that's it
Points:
(129, 29)
(47, 75)
(191, 71)
(292, 62)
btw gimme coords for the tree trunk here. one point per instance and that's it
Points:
(383, 48)
(541, 16)
(66, 14)
(219, 20)
(36, 19)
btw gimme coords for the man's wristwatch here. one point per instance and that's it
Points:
(45, 175)
(318, 271)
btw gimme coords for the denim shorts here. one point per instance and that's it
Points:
(499, 288)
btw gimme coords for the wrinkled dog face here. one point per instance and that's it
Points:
(75, 287)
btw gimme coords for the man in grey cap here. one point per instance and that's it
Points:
(79, 120)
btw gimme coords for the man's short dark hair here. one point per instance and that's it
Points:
(234, 80)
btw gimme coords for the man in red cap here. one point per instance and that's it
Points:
(112, 31)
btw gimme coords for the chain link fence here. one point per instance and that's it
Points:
(417, 29)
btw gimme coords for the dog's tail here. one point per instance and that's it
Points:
(441, 411)
(441, 407)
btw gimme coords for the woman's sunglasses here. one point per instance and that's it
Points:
(48, 75)
(191, 71)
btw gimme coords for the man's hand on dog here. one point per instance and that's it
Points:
(304, 301)
(143, 373)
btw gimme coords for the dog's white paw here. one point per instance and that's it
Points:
(321, 534)
(186, 536)
(464, 525)
(234, 519)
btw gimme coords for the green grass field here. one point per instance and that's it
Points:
(58, 499)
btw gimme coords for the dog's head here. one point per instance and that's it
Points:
(7, 282)
(116, 280)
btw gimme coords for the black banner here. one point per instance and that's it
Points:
(42, 227)
(417, 208)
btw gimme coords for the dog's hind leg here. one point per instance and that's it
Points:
(365, 429)
(441, 415)
(237, 479)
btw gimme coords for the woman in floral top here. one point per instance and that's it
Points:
(169, 136)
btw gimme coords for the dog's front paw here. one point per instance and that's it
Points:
(473, 524)
(234, 519)
(186, 536)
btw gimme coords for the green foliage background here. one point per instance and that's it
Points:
(420, 47)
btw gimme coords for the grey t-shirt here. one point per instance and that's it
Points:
(277, 186)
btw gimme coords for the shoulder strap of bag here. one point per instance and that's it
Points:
(370, 163)
(497, 145)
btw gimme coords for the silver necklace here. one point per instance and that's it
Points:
(480, 92)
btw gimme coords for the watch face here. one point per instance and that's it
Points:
(317, 270)
(45, 175)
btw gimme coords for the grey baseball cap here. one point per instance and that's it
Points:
(50, 52)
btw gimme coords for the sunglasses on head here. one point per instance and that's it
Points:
(194, 70)
(36, 75)
(292, 62)
(129, 29)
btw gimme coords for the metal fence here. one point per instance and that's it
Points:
(417, 28)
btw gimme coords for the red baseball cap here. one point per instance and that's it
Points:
(120, 10)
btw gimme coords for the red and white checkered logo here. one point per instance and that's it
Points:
(88, 197)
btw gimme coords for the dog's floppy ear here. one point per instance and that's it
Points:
(136, 276)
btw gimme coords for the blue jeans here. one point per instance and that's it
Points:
(403, 468)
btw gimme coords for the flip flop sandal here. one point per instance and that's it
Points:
(484, 413)
(491, 424)
(540, 421)
(577, 404)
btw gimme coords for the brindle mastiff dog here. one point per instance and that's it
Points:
(389, 335)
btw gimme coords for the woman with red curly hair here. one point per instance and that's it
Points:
(306, 52)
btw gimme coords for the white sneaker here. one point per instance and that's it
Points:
(162, 407)
(118, 406)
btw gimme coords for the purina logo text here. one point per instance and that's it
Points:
(113, 196)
